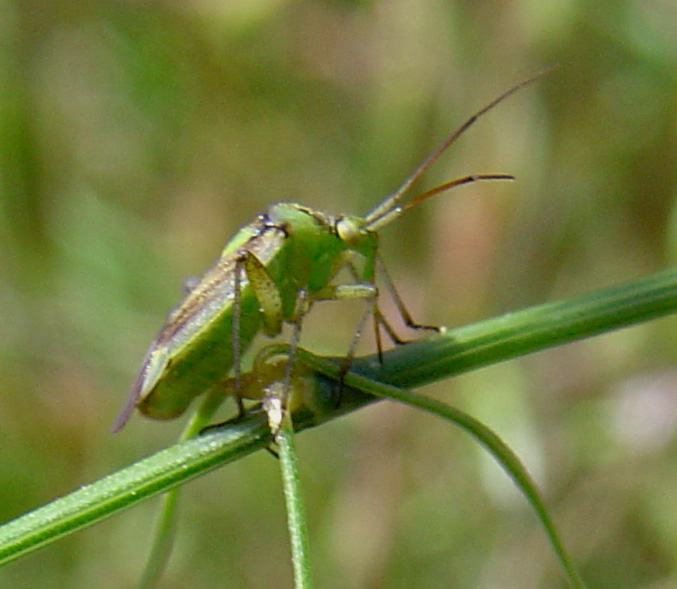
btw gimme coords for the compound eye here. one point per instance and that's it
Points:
(348, 231)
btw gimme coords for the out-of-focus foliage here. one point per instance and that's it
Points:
(136, 137)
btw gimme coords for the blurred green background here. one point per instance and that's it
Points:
(136, 137)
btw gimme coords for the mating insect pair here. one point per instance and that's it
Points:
(271, 273)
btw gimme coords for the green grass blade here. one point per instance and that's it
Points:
(522, 332)
(129, 486)
(296, 513)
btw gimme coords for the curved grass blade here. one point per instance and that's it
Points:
(491, 441)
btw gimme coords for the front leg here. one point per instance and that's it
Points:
(266, 291)
(269, 298)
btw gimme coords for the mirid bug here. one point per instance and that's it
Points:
(272, 272)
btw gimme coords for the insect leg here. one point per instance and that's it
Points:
(276, 401)
(366, 291)
(266, 291)
(371, 310)
(379, 320)
(270, 302)
(401, 307)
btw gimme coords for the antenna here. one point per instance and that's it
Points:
(391, 207)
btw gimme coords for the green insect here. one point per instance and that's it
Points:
(272, 272)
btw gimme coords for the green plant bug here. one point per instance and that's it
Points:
(271, 273)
